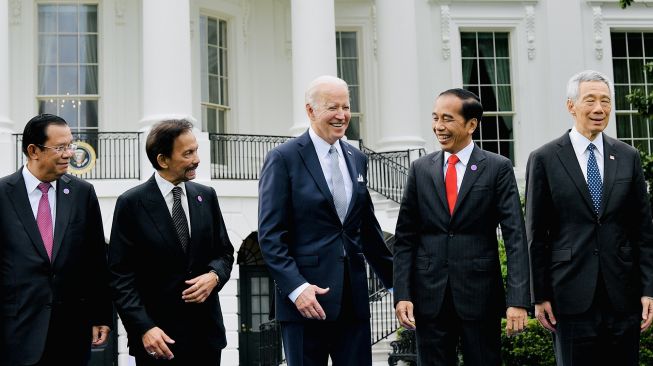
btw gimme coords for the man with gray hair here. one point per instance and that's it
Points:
(590, 235)
(316, 229)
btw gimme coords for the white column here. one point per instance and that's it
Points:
(167, 77)
(313, 51)
(7, 146)
(401, 116)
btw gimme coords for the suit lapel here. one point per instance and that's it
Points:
(160, 215)
(18, 198)
(196, 217)
(609, 171)
(65, 198)
(312, 163)
(353, 175)
(471, 175)
(437, 172)
(570, 163)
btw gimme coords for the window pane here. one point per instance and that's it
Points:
(88, 49)
(486, 71)
(223, 92)
(648, 44)
(67, 18)
(503, 71)
(636, 71)
(88, 18)
(88, 80)
(488, 99)
(642, 145)
(68, 49)
(354, 99)
(506, 148)
(476, 135)
(212, 31)
(265, 287)
(620, 69)
(468, 44)
(489, 128)
(223, 34)
(223, 62)
(46, 106)
(635, 45)
(505, 127)
(47, 80)
(47, 49)
(640, 128)
(348, 44)
(67, 112)
(350, 71)
(474, 89)
(501, 44)
(618, 44)
(485, 45)
(623, 126)
(67, 80)
(214, 89)
(470, 74)
(620, 96)
(353, 131)
(505, 98)
(47, 18)
(88, 111)
(213, 60)
(492, 146)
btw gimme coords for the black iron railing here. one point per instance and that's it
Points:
(387, 172)
(270, 351)
(240, 156)
(117, 155)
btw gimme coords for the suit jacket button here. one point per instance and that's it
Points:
(451, 234)
(595, 252)
(446, 262)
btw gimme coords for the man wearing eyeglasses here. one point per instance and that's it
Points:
(54, 293)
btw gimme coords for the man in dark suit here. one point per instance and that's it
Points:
(169, 255)
(316, 228)
(590, 235)
(53, 269)
(447, 274)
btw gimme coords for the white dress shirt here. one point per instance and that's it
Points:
(322, 149)
(166, 190)
(580, 143)
(34, 194)
(463, 156)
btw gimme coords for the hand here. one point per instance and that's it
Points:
(516, 320)
(647, 312)
(155, 342)
(544, 315)
(307, 303)
(100, 335)
(404, 312)
(200, 288)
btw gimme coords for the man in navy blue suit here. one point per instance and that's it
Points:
(316, 228)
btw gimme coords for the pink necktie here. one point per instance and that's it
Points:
(44, 218)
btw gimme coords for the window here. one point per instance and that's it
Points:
(347, 60)
(68, 64)
(215, 95)
(486, 72)
(629, 55)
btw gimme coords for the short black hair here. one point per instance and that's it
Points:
(472, 107)
(35, 131)
(161, 138)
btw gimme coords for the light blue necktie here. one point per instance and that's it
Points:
(594, 182)
(337, 185)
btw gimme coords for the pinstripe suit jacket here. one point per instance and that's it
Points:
(434, 248)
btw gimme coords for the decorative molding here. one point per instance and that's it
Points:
(530, 31)
(15, 11)
(597, 20)
(445, 19)
(375, 36)
(247, 12)
(120, 12)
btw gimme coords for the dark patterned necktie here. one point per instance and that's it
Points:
(179, 219)
(594, 182)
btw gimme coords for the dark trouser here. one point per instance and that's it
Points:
(599, 336)
(346, 340)
(437, 339)
(62, 350)
(195, 357)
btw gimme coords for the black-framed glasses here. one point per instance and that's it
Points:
(61, 148)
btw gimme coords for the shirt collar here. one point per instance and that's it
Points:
(463, 155)
(580, 142)
(322, 147)
(32, 182)
(166, 187)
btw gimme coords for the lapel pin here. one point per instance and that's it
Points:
(474, 167)
(66, 191)
(348, 152)
(611, 157)
(199, 198)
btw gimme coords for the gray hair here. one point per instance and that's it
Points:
(313, 90)
(573, 85)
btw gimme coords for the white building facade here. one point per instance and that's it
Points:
(112, 68)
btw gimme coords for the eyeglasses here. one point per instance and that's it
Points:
(60, 149)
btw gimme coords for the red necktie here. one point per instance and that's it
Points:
(451, 182)
(44, 218)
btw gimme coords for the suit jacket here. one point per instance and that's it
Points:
(434, 247)
(569, 245)
(148, 267)
(302, 238)
(73, 286)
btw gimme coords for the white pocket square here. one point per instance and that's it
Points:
(360, 178)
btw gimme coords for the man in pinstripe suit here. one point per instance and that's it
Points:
(448, 282)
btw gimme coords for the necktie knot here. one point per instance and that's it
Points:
(591, 147)
(453, 160)
(333, 150)
(176, 193)
(44, 187)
